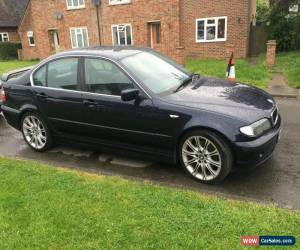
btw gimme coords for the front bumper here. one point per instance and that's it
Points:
(254, 153)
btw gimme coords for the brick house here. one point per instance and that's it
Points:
(11, 12)
(176, 28)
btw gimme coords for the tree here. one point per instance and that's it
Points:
(283, 4)
(262, 11)
(282, 26)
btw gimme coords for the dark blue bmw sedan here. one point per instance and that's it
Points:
(137, 100)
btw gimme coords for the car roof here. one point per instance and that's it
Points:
(111, 52)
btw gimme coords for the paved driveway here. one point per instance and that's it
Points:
(277, 181)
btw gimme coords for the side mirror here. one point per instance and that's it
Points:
(129, 94)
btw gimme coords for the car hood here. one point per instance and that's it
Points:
(225, 97)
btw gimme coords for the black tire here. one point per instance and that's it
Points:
(224, 154)
(49, 139)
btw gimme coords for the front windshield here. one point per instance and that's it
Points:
(157, 74)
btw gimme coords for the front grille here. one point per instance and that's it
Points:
(274, 116)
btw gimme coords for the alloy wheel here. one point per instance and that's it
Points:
(201, 158)
(34, 132)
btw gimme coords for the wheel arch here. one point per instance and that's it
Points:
(33, 111)
(211, 129)
(26, 109)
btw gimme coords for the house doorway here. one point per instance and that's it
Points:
(154, 34)
(54, 40)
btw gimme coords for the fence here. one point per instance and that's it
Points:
(258, 40)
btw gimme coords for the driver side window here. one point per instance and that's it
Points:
(104, 77)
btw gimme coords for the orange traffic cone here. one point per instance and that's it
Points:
(230, 74)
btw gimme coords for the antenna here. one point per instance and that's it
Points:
(57, 15)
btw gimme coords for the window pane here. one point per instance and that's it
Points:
(5, 37)
(211, 33)
(63, 74)
(122, 38)
(79, 39)
(39, 78)
(221, 28)
(81, 2)
(104, 77)
(211, 21)
(31, 40)
(158, 31)
(85, 38)
(75, 3)
(70, 3)
(121, 28)
(73, 37)
(115, 35)
(122, 35)
(200, 30)
(128, 33)
(1, 39)
(119, 1)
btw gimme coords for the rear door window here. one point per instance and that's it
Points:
(40, 77)
(104, 77)
(61, 74)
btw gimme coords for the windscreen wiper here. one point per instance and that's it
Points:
(185, 82)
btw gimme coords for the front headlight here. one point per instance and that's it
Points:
(257, 128)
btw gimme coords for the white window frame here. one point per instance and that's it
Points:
(72, 7)
(2, 34)
(112, 33)
(211, 25)
(76, 30)
(29, 35)
(118, 2)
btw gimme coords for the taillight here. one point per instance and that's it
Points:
(2, 95)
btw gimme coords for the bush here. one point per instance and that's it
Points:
(9, 50)
(263, 11)
(284, 27)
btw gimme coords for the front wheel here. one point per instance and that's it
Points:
(36, 132)
(205, 156)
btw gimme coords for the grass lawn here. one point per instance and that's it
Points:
(46, 208)
(289, 64)
(255, 74)
(14, 64)
(246, 72)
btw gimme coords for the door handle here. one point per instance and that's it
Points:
(90, 104)
(93, 105)
(42, 95)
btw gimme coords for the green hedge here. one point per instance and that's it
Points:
(9, 50)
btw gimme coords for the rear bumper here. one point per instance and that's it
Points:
(12, 116)
(254, 153)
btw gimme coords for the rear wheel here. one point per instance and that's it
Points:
(205, 156)
(36, 132)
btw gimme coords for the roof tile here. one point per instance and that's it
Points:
(11, 12)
